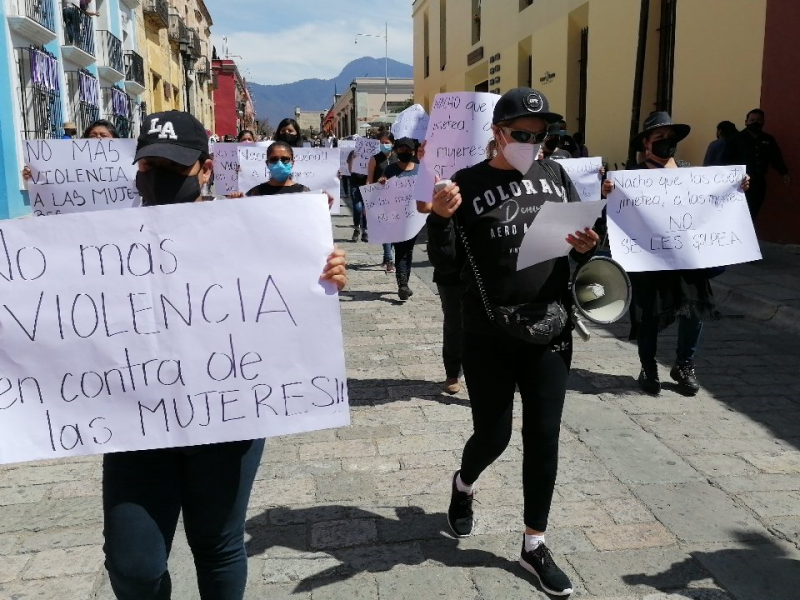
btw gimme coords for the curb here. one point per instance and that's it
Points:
(757, 307)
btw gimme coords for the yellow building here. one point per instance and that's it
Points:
(703, 60)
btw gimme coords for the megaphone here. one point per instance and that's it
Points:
(601, 293)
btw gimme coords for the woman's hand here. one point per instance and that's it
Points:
(26, 173)
(421, 150)
(424, 207)
(583, 241)
(746, 183)
(235, 195)
(446, 201)
(382, 180)
(608, 187)
(336, 269)
(330, 199)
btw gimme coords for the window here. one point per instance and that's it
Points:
(426, 43)
(442, 34)
(39, 93)
(477, 15)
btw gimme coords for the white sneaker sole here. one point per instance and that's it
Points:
(458, 535)
(547, 590)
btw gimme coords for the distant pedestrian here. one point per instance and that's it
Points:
(716, 152)
(758, 151)
(246, 137)
(551, 147)
(377, 165)
(581, 141)
(289, 131)
(357, 181)
(70, 131)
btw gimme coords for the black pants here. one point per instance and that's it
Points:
(404, 255)
(493, 368)
(450, 296)
(756, 195)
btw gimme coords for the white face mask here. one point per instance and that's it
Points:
(520, 156)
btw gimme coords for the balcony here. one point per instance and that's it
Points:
(134, 73)
(194, 43)
(83, 91)
(39, 93)
(34, 20)
(178, 32)
(109, 55)
(78, 44)
(131, 3)
(156, 12)
(117, 109)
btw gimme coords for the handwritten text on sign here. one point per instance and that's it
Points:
(459, 130)
(226, 165)
(366, 148)
(345, 148)
(122, 332)
(411, 123)
(70, 176)
(669, 219)
(315, 168)
(585, 174)
(392, 211)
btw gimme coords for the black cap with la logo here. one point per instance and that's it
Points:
(523, 102)
(173, 135)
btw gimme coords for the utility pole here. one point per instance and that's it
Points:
(385, 37)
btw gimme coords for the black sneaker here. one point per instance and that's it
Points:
(686, 378)
(356, 233)
(459, 515)
(404, 292)
(365, 237)
(648, 380)
(540, 562)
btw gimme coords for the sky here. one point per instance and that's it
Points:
(282, 41)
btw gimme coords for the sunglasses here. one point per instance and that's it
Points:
(526, 137)
(273, 160)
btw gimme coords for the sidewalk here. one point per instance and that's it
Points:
(666, 498)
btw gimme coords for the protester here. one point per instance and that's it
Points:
(581, 142)
(100, 129)
(289, 131)
(70, 131)
(759, 151)
(550, 148)
(715, 154)
(145, 491)
(405, 149)
(662, 297)
(377, 165)
(280, 160)
(246, 137)
(497, 360)
(357, 180)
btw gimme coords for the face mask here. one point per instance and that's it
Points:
(405, 157)
(754, 127)
(289, 138)
(164, 186)
(551, 144)
(665, 148)
(521, 156)
(279, 171)
(386, 148)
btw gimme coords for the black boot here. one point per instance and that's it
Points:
(686, 377)
(403, 291)
(649, 381)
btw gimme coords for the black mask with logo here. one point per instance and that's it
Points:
(665, 149)
(159, 186)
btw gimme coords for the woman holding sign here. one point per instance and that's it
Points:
(375, 169)
(145, 491)
(289, 131)
(280, 160)
(501, 199)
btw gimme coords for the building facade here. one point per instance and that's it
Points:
(233, 104)
(369, 100)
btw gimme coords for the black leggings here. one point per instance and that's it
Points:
(493, 368)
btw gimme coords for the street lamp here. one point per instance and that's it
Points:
(385, 37)
(353, 117)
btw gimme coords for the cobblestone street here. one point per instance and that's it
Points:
(658, 497)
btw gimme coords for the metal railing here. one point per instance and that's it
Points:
(134, 67)
(41, 11)
(39, 93)
(194, 43)
(117, 108)
(78, 29)
(178, 32)
(83, 91)
(157, 12)
(110, 50)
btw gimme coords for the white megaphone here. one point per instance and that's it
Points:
(601, 293)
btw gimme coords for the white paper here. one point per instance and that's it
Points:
(84, 296)
(366, 148)
(585, 174)
(345, 148)
(226, 165)
(411, 123)
(671, 219)
(76, 176)
(391, 210)
(459, 130)
(315, 168)
(546, 237)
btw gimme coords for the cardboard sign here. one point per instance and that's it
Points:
(585, 174)
(366, 148)
(345, 148)
(392, 210)
(411, 123)
(671, 219)
(129, 330)
(77, 176)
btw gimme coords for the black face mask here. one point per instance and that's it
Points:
(164, 186)
(755, 127)
(405, 157)
(665, 149)
(289, 138)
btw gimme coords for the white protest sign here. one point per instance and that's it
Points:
(70, 176)
(121, 331)
(345, 148)
(411, 123)
(366, 148)
(585, 174)
(460, 128)
(391, 210)
(226, 165)
(315, 168)
(671, 219)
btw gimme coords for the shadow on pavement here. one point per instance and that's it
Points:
(365, 296)
(374, 392)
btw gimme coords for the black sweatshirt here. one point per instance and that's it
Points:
(498, 206)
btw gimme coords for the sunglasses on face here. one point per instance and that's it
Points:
(273, 160)
(526, 137)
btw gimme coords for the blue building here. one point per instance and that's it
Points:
(59, 63)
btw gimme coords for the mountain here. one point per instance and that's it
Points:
(276, 102)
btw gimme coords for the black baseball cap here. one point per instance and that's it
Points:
(523, 102)
(174, 135)
(406, 141)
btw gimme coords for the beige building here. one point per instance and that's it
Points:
(703, 60)
(369, 101)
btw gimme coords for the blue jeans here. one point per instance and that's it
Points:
(143, 495)
(689, 330)
(359, 217)
(387, 253)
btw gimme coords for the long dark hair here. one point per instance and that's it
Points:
(279, 144)
(285, 123)
(101, 123)
(243, 133)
